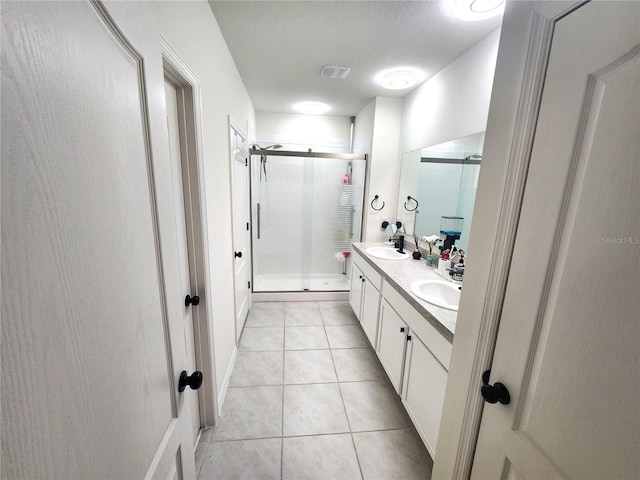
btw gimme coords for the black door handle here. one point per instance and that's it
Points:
(238, 254)
(495, 393)
(189, 300)
(194, 380)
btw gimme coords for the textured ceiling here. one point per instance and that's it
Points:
(280, 47)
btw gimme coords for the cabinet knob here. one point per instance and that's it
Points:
(408, 338)
(401, 329)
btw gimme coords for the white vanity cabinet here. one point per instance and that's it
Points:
(423, 388)
(423, 361)
(365, 296)
(412, 351)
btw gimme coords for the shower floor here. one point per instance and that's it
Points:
(297, 283)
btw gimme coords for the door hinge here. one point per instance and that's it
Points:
(249, 285)
(247, 226)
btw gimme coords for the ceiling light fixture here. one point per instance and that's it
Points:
(472, 10)
(312, 108)
(399, 78)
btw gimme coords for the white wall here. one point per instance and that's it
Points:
(191, 29)
(454, 102)
(363, 131)
(385, 165)
(299, 132)
(377, 134)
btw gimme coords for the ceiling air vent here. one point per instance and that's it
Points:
(332, 71)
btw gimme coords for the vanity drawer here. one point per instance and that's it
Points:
(433, 340)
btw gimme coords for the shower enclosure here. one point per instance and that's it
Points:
(306, 210)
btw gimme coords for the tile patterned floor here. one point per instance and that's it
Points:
(308, 399)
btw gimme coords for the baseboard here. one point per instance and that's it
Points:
(298, 296)
(227, 379)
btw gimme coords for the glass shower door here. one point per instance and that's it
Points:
(306, 212)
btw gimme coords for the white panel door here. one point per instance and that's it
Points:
(425, 380)
(355, 293)
(175, 142)
(92, 339)
(392, 343)
(370, 311)
(240, 178)
(567, 348)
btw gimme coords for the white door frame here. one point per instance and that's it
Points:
(460, 437)
(189, 111)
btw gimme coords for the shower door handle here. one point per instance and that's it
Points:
(258, 222)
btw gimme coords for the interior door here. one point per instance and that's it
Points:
(567, 348)
(239, 155)
(175, 143)
(92, 342)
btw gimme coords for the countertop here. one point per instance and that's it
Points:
(401, 274)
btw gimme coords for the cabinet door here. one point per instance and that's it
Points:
(424, 383)
(355, 295)
(392, 343)
(370, 310)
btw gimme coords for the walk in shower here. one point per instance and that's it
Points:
(306, 210)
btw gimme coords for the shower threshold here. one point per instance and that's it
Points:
(301, 283)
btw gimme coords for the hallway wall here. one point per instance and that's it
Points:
(191, 29)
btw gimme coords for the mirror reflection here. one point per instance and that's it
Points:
(438, 183)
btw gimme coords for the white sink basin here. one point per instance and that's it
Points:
(387, 253)
(442, 294)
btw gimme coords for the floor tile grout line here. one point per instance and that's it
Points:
(284, 360)
(204, 459)
(304, 435)
(346, 414)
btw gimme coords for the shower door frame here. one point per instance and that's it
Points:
(285, 294)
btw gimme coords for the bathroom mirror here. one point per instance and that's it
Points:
(440, 181)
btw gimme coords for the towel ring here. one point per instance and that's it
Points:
(410, 198)
(374, 199)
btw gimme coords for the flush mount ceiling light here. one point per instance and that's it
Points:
(398, 78)
(472, 10)
(312, 108)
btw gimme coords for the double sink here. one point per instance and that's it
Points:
(437, 292)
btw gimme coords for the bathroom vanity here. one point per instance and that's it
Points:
(411, 337)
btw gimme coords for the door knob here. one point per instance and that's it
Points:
(238, 254)
(189, 300)
(494, 393)
(194, 380)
